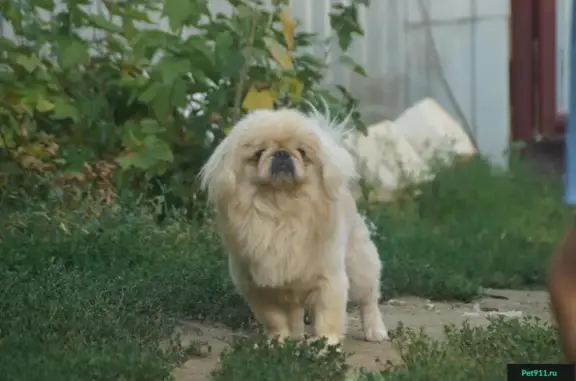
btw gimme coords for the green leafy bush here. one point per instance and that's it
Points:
(105, 97)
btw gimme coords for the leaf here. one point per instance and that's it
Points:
(145, 43)
(177, 12)
(76, 157)
(74, 52)
(151, 126)
(179, 96)
(150, 154)
(99, 21)
(29, 63)
(228, 61)
(158, 148)
(200, 46)
(63, 109)
(172, 68)
(137, 15)
(288, 28)
(7, 137)
(349, 62)
(280, 53)
(135, 160)
(258, 99)
(37, 150)
(161, 103)
(344, 21)
(44, 105)
(293, 87)
(7, 45)
(150, 93)
(47, 5)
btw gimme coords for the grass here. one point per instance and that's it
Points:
(94, 293)
(464, 354)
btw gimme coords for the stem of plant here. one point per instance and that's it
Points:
(244, 72)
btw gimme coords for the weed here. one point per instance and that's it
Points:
(470, 353)
(258, 359)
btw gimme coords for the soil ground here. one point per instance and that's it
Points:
(411, 311)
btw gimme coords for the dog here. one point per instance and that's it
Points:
(280, 183)
(562, 289)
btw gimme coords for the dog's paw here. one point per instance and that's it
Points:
(333, 340)
(328, 340)
(376, 335)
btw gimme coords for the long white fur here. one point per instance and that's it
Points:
(291, 250)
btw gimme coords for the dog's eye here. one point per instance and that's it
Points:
(258, 154)
(302, 152)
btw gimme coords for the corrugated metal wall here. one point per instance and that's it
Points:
(455, 51)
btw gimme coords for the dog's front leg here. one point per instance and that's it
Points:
(330, 309)
(270, 314)
(296, 320)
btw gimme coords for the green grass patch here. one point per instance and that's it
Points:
(470, 227)
(93, 293)
(86, 298)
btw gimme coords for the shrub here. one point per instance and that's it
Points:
(106, 98)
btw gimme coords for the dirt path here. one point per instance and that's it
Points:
(413, 312)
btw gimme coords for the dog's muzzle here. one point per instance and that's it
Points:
(282, 164)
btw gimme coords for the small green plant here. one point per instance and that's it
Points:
(471, 353)
(258, 359)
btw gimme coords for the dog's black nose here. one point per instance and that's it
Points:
(282, 154)
(282, 164)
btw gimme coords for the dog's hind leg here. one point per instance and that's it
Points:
(363, 267)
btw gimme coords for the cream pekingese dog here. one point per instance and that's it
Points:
(280, 184)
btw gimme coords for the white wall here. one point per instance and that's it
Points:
(472, 41)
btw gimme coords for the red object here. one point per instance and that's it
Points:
(533, 70)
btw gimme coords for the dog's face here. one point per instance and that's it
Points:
(282, 157)
(277, 150)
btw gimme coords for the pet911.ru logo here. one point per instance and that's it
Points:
(538, 373)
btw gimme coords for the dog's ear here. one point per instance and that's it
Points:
(217, 176)
(338, 169)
